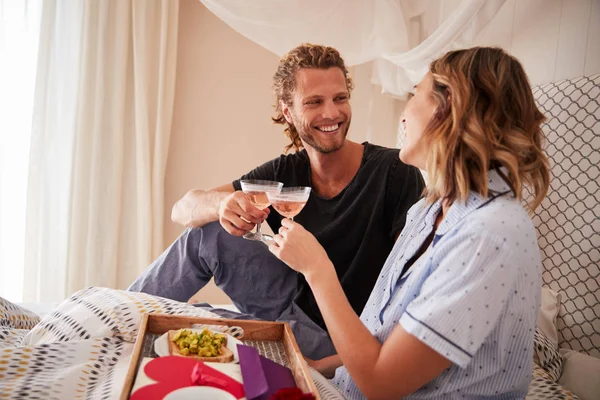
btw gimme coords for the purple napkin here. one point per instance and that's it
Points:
(262, 377)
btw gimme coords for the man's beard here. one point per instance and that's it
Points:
(305, 133)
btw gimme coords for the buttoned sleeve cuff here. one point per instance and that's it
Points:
(436, 340)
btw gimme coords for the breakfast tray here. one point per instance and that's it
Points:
(273, 340)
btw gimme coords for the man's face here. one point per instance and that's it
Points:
(320, 109)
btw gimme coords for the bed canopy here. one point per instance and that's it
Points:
(387, 33)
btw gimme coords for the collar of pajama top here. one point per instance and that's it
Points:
(473, 296)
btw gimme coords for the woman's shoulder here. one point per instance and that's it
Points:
(496, 222)
(504, 223)
(503, 215)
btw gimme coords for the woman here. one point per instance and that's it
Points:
(453, 312)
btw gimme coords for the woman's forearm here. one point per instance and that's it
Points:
(357, 348)
(399, 366)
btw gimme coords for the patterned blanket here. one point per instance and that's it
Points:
(81, 350)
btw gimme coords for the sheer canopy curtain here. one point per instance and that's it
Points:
(382, 32)
(102, 119)
(19, 33)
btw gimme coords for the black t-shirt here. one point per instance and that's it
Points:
(357, 227)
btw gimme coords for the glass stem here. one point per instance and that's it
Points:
(258, 226)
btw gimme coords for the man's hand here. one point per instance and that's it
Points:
(326, 366)
(237, 215)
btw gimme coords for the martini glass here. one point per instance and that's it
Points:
(290, 200)
(256, 191)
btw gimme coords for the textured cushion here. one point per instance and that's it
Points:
(543, 388)
(546, 355)
(11, 315)
(547, 368)
(567, 218)
(15, 322)
(581, 374)
(548, 312)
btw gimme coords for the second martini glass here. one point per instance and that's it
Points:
(290, 200)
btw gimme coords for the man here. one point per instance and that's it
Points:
(357, 207)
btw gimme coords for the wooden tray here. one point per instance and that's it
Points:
(255, 332)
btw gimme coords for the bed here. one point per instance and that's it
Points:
(81, 347)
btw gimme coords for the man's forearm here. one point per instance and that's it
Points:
(327, 366)
(198, 208)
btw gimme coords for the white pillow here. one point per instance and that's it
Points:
(548, 312)
(581, 374)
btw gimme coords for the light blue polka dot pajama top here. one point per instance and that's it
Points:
(473, 296)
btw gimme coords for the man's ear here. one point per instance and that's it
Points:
(285, 109)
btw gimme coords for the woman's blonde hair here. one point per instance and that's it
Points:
(486, 118)
(284, 81)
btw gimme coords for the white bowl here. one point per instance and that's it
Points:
(199, 392)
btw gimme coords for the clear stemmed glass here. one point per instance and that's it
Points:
(256, 191)
(290, 200)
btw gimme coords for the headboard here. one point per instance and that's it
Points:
(568, 221)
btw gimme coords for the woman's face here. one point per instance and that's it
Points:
(418, 112)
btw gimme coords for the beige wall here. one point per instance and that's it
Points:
(221, 125)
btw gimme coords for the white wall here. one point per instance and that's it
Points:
(554, 39)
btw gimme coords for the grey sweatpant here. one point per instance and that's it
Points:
(259, 285)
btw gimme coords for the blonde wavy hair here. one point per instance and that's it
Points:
(304, 56)
(485, 118)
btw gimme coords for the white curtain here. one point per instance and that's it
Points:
(19, 33)
(102, 119)
(384, 32)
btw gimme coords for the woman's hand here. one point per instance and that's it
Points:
(300, 250)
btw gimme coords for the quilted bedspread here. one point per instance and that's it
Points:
(81, 350)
